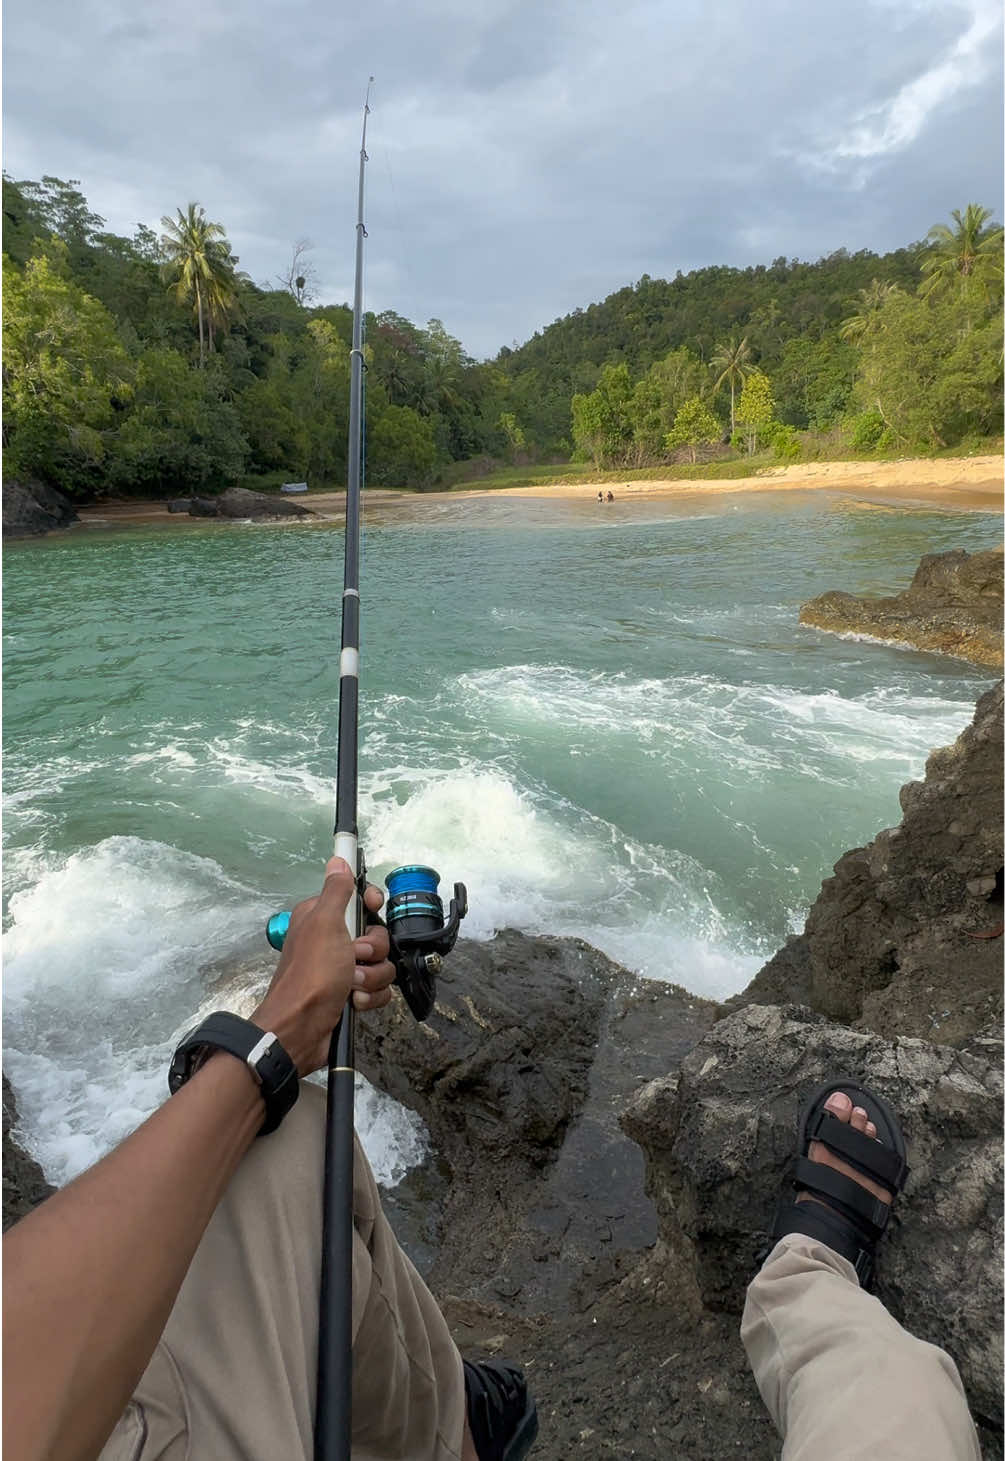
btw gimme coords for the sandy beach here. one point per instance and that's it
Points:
(962, 484)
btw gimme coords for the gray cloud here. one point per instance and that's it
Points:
(526, 158)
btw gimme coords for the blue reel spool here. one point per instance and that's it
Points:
(413, 904)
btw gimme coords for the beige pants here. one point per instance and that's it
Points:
(234, 1373)
(842, 1380)
(232, 1378)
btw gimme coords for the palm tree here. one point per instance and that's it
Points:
(870, 302)
(736, 366)
(201, 267)
(972, 250)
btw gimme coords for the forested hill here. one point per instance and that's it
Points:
(789, 312)
(155, 366)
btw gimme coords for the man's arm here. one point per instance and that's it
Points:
(90, 1277)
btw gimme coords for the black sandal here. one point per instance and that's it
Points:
(853, 1221)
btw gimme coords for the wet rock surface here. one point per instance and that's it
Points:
(953, 606)
(905, 938)
(24, 1184)
(520, 1074)
(32, 508)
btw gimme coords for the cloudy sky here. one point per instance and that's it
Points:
(526, 156)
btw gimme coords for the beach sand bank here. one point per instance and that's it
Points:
(961, 484)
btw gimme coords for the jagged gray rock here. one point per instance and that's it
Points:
(32, 508)
(902, 939)
(532, 1048)
(954, 606)
(718, 1136)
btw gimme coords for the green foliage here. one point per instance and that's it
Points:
(602, 424)
(756, 410)
(179, 437)
(868, 431)
(784, 441)
(694, 425)
(401, 451)
(66, 377)
(931, 373)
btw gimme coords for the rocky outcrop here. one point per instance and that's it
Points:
(32, 508)
(718, 1136)
(24, 1184)
(904, 939)
(533, 1047)
(954, 606)
(239, 502)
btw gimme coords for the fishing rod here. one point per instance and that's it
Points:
(419, 936)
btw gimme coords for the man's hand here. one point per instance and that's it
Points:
(321, 966)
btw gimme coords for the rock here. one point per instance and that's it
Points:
(179, 504)
(239, 502)
(904, 939)
(954, 606)
(204, 507)
(32, 508)
(532, 1048)
(24, 1184)
(719, 1134)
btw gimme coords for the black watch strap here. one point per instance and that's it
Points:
(268, 1062)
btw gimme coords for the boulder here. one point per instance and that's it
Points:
(718, 1136)
(905, 938)
(954, 606)
(204, 507)
(24, 1184)
(33, 508)
(239, 502)
(179, 504)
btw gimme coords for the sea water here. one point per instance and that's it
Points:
(605, 719)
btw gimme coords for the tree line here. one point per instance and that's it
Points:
(154, 365)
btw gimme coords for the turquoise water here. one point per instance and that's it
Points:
(605, 720)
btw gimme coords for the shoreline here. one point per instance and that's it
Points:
(958, 484)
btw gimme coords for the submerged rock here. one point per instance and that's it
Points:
(905, 938)
(32, 508)
(719, 1134)
(954, 606)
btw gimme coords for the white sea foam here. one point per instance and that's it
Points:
(102, 975)
(753, 727)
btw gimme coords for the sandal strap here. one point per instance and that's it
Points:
(810, 1220)
(863, 1152)
(854, 1202)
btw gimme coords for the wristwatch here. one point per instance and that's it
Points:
(260, 1050)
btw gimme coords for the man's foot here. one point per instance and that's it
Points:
(840, 1106)
(850, 1165)
(502, 1416)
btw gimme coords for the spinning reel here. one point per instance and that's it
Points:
(420, 936)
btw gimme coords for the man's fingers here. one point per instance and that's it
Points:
(340, 882)
(373, 898)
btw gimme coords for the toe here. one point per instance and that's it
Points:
(839, 1105)
(870, 1129)
(859, 1118)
